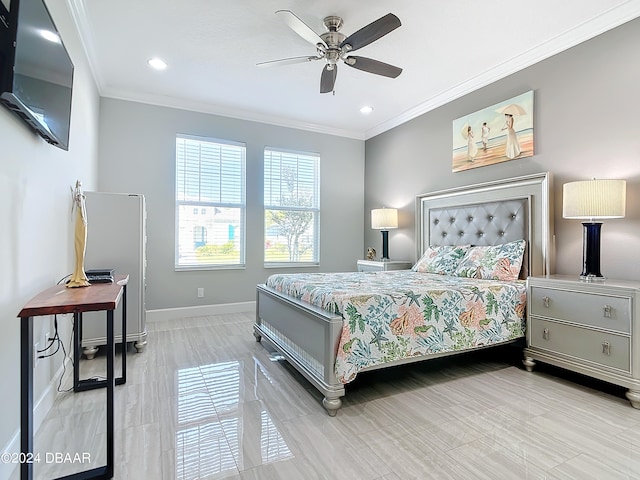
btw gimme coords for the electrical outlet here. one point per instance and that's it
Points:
(36, 347)
(200, 292)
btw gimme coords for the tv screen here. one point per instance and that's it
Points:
(38, 74)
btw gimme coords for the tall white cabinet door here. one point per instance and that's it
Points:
(116, 238)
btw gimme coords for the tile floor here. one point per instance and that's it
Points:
(205, 401)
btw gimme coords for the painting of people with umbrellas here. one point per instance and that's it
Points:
(495, 134)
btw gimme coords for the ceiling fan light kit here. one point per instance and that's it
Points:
(333, 46)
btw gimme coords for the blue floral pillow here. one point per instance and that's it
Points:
(495, 262)
(442, 259)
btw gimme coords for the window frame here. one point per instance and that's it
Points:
(209, 204)
(315, 209)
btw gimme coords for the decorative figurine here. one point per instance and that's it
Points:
(79, 278)
(371, 253)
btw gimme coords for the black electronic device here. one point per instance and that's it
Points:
(104, 275)
(36, 72)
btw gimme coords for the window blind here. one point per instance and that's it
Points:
(291, 206)
(210, 202)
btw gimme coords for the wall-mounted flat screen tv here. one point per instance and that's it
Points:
(36, 72)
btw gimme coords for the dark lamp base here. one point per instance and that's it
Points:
(591, 251)
(385, 245)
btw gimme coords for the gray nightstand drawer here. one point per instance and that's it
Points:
(602, 311)
(604, 348)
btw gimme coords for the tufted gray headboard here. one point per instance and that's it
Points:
(490, 223)
(490, 214)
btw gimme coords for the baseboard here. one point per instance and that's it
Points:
(7, 468)
(40, 410)
(199, 311)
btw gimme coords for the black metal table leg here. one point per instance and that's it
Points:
(105, 471)
(26, 395)
(77, 338)
(111, 352)
(81, 385)
(123, 377)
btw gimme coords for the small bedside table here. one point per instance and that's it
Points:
(380, 266)
(588, 327)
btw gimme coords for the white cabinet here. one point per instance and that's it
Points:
(587, 327)
(116, 238)
(380, 266)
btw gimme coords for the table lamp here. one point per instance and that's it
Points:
(384, 219)
(593, 200)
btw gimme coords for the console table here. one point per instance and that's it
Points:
(60, 300)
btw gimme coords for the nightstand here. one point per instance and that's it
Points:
(380, 266)
(587, 327)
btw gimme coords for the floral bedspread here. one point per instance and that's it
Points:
(398, 314)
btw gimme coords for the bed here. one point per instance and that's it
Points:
(331, 327)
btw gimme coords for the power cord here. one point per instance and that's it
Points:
(64, 365)
(52, 341)
(57, 341)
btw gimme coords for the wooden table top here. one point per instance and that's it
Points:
(60, 299)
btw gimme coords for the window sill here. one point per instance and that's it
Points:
(291, 265)
(194, 268)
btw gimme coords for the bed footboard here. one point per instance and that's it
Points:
(307, 336)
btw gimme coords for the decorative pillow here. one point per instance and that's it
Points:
(442, 259)
(496, 262)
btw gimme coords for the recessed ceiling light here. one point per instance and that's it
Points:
(366, 109)
(157, 63)
(49, 35)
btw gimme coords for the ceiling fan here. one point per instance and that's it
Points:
(333, 46)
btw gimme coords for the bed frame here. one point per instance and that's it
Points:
(483, 214)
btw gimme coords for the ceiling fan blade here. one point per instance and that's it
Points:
(300, 27)
(373, 66)
(287, 61)
(328, 78)
(372, 32)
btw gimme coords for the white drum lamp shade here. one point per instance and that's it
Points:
(384, 219)
(592, 200)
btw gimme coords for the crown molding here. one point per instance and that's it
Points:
(610, 19)
(200, 107)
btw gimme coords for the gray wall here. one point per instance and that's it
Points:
(137, 155)
(586, 125)
(36, 242)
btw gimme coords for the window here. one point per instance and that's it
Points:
(210, 203)
(291, 207)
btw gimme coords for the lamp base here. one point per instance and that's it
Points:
(385, 245)
(591, 251)
(592, 278)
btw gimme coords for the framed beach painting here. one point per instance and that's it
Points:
(495, 134)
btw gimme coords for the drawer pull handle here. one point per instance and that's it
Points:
(606, 348)
(545, 301)
(606, 311)
(545, 334)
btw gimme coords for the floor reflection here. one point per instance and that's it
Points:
(211, 434)
(273, 446)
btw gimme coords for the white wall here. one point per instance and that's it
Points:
(585, 120)
(137, 155)
(36, 248)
